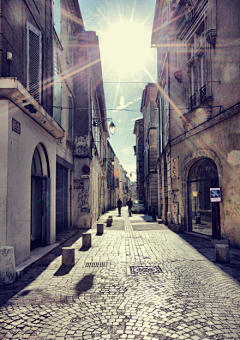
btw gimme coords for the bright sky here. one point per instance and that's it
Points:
(129, 63)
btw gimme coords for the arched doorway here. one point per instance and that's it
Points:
(40, 198)
(203, 216)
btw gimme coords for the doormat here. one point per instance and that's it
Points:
(145, 269)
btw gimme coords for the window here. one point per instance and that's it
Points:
(70, 119)
(57, 112)
(197, 66)
(34, 61)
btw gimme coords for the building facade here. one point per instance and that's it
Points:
(149, 110)
(139, 153)
(198, 114)
(90, 134)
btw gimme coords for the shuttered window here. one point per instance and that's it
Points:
(70, 119)
(57, 90)
(34, 61)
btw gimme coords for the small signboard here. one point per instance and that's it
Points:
(85, 176)
(216, 195)
(174, 167)
(16, 126)
(175, 212)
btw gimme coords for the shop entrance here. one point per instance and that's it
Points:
(203, 216)
(40, 198)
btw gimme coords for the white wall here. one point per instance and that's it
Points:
(20, 152)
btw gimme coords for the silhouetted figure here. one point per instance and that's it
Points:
(119, 204)
(130, 204)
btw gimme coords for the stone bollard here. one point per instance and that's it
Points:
(99, 229)
(222, 253)
(68, 257)
(86, 240)
(7, 266)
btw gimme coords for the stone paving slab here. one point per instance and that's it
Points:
(101, 297)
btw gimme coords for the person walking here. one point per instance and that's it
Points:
(119, 204)
(130, 204)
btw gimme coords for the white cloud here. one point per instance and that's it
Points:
(122, 105)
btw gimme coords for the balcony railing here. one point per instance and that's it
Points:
(203, 93)
(193, 101)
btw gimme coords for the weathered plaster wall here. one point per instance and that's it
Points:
(20, 152)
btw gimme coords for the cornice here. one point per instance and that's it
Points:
(206, 125)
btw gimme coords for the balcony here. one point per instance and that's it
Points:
(203, 93)
(193, 101)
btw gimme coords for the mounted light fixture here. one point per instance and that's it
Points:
(99, 121)
(109, 159)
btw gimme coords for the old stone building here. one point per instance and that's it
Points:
(54, 172)
(149, 110)
(139, 153)
(198, 115)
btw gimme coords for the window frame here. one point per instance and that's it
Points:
(36, 31)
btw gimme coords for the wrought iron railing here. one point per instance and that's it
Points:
(193, 101)
(203, 93)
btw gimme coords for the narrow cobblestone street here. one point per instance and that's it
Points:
(139, 280)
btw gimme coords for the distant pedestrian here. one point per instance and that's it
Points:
(130, 204)
(119, 204)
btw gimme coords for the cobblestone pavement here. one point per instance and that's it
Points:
(139, 280)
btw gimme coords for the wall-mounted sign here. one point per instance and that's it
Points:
(174, 167)
(16, 126)
(86, 170)
(85, 176)
(216, 195)
(175, 212)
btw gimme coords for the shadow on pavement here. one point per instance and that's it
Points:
(204, 247)
(84, 248)
(32, 272)
(84, 284)
(63, 270)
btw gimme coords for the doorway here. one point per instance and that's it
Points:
(40, 198)
(203, 216)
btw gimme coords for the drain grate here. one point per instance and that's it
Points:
(145, 269)
(95, 264)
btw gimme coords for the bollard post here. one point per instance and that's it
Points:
(7, 266)
(99, 229)
(222, 253)
(86, 240)
(68, 257)
(109, 222)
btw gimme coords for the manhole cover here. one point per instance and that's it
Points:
(95, 264)
(145, 269)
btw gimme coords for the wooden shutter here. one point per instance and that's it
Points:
(34, 61)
